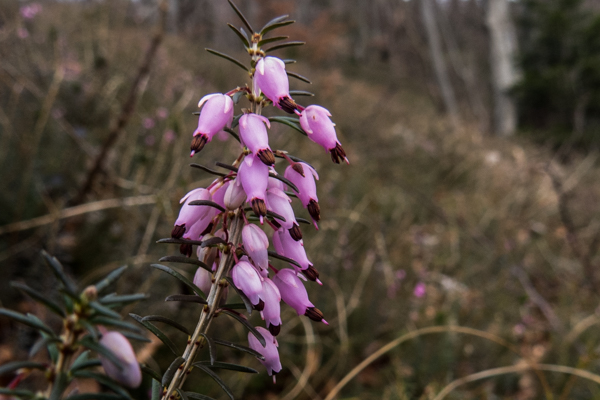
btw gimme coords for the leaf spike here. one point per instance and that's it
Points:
(242, 17)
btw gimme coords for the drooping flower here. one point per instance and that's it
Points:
(246, 278)
(190, 215)
(280, 203)
(307, 189)
(269, 351)
(272, 80)
(256, 244)
(254, 176)
(285, 245)
(215, 115)
(316, 123)
(128, 373)
(218, 195)
(271, 312)
(294, 294)
(253, 134)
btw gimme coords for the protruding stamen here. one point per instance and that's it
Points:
(312, 274)
(288, 105)
(314, 313)
(259, 207)
(298, 168)
(338, 153)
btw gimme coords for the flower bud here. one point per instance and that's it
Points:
(128, 373)
(215, 115)
(234, 195)
(272, 80)
(307, 189)
(246, 278)
(269, 351)
(203, 279)
(272, 311)
(319, 128)
(253, 134)
(256, 245)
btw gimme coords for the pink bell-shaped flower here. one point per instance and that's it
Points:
(218, 195)
(190, 216)
(280, 203)
(307, 189)
(254, 177)
(253, 134)
(294, 294)
(271, 312)
(269, 351)
(316, 123)
(272, 80)
(203, 279)
(215, 115)
(286, 246)
(128, 373)
(246, 278)
(275, 183)
(256, 244)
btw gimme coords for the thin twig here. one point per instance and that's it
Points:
(128, 105)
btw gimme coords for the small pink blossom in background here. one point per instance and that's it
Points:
(149, 140)
(162, 113)
(22, 33)
(148, 123)
(169, 136)
(29, 11)
(400, 274)
(419, 290)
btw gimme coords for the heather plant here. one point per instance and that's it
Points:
(221, 231)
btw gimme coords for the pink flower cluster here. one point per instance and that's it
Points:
(256, 182)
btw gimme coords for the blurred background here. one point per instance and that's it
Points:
(471, 199)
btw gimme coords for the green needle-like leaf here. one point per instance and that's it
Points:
(228, 58)
(158, 333)
(29, 320)
(206, 203)
(235, 306)
(210, 171)
(105, 380)
(15, 365)
(41, 343)
(134, 336)
(219, 381)
(232, 133)
(181, 278)
(213, 241)
(284, 258)
(188, 298)
(185, 260)
(273, 21)
(182, 394)
(152, 373)
(110, 278)
(229, 366)
(271, 26)
(18, 393)
(61, 381)
(170, 372)
(283, 46)
(242, 37)
(247, 324)
(103, 310)
(197, 396)
(97, 396)
(288, 122)
(59, 271)
(244, 298)
(116, 322)
(299, 77)
(239, 347)
(242, 17)
(83, 357)
(179, 241)
(34, 294)
(87, 364)
(303, 221)
(284, 180)
(124, 299)
(301, 93)
(227, 166)
(91, 328)
(211, 348)
(271, 40)
(168, 321)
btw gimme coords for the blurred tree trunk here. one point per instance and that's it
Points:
(503, 50)
(437, 56)
(173, 19)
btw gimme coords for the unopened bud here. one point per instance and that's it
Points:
(295, 233)
(234, 196)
